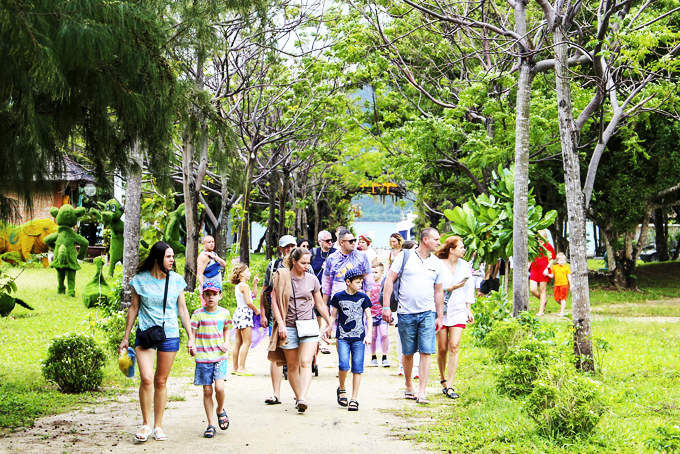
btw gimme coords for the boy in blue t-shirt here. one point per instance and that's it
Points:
(351, 308)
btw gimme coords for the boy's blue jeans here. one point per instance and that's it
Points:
(357, 349)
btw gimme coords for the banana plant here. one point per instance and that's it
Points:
(485, 222)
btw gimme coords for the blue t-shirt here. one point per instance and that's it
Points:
(150, 291)
(351, 314)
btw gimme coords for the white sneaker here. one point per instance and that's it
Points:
(386, 363)
(415, 373)
(373, 363)
(400, 371)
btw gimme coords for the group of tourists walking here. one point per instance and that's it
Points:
(307, 294)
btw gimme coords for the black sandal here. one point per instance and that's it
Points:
(353, 405)
(210, 432)
(272, 401)
(342, 401)
(451, 394)
(223, 423)
(441, 382)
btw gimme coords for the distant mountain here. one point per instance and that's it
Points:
(373, 210)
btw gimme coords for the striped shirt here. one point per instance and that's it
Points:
(209, 327)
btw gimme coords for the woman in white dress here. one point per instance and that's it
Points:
(460, 289)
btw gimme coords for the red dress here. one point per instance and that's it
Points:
(540, 263)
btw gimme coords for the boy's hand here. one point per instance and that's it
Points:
(328, 331)
(367, 340)
(191, 347)
(224, 347)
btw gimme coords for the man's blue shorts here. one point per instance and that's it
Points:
(168, 345)
(357, 349)
(207, 373)
(417, 333)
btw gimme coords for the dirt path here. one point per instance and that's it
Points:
(255, 427)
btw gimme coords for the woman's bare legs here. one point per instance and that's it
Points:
(442, 353)
(455, 333)
(152, 385)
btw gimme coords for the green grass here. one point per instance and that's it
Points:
(25, 336)
(640, 376)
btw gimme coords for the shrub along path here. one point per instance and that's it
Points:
(255, 427)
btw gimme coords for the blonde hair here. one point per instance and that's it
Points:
(560, 255)
(236, 273)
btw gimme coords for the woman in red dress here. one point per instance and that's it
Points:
(538, 281)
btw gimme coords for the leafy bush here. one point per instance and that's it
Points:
(488, 311)
(564, 402)
(114, 329)
(75, 363)
(505, 334)
(667, 440)
(522, 364)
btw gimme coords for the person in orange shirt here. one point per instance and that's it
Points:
(562, 274)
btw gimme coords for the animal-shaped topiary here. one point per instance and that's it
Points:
(174, 230)
(64, 244)
(110, 217)
(27, 239)
(97, 290)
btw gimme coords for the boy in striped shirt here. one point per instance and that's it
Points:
(209, 325)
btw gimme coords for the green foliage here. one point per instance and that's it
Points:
(494, 308)
(485, 222)
(666, 440)
(155, 211)
(564, 402)
(114, 329)
(74, 362)
(522, 364)
(504, 334)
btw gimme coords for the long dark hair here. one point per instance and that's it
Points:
(156, 255)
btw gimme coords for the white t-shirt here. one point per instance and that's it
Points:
(456, 305)
(416, 291)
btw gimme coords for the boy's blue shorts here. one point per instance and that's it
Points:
(357, 349)
(207, 373)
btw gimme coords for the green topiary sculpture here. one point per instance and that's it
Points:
(97, 290)
(64, 244)
(110, 217)
(174, 230)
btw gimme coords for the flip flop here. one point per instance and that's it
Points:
(272, 401)
(422, 401)
(210, 432)
(410, 395)
(242, 374)
(143, 437)
(223, 423)
(301, 406)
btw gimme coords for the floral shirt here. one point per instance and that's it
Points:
(338, 264)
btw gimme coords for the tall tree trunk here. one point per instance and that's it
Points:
(272, 240)
(244, 229)
(283, 200)
(191, 212)
(317, 223)
(222, 228)
(520, 237)
(133, 214)
(580, 292)
(193, 181)
(661, 230)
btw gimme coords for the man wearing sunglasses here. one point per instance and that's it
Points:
(321, 253)
(341, 261)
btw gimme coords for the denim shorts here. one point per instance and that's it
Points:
(417, 333)
(357, 349)
(207, 373)
(168, 345)
(293, 341)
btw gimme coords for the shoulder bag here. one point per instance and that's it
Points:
(305, 328)
(394, 299)
(154, 336)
